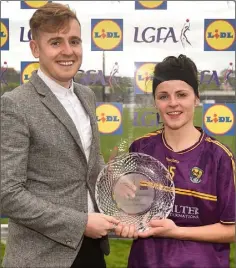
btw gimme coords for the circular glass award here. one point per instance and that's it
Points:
(134, 188)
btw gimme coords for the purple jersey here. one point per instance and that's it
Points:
(205, 194)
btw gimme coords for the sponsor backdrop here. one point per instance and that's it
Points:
(133, 36)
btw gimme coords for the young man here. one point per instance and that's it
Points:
(51, 155)
(201, 226)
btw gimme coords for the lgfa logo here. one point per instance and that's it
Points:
(219, 119)
(4, 34)
(150, 4)
(219, 35)
(109, 118)
(33, 4)
(26, 70)
(143, 77)
(152, 34)
(106, 34)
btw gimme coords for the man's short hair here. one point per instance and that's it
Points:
(51, 18)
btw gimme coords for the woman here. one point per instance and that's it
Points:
(200, 228)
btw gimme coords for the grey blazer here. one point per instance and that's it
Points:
(45, 176)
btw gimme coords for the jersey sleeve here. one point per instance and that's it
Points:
(134, 147)
(226, 189)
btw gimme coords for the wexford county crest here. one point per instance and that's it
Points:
(196, 175)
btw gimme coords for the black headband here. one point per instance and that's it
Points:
(178, 74)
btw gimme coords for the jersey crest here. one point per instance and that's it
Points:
(196, 175)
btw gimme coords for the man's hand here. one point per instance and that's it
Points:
(160, 228)
(99, 225)
(127, 231)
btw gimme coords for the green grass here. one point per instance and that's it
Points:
(4, 221)
(120, 251)
(232, 256)
(2, 249)
(120, 248)
(118, 257)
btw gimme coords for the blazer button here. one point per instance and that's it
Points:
(68, 241)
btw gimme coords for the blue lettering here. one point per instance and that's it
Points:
(135, 121)
(92, 77)
(2, 34)
(221, 119)
(203, 75)
(210, 35)
(221, 35)
(227, 119)
(144, 120)
(208, 119)
(115, 119)
(215, 78)
(112, 35)
(108, 35)
(148, 35)
(226, 35)
(170, 34)
(140, 77)
(109, 118)
(97, 35)
(22, 32)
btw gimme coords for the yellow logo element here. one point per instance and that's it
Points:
(108, 118)
(3, 34)
(150, 4)
(220, 35)
(155, 185)
(107, 34)
(35, 4)
(27, 71)
(144, 77)
(219, 119)
(196, 174)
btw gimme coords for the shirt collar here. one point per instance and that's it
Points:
(57, 89)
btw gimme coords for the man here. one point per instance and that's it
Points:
(50, 155)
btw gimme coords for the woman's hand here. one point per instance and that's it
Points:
(160, 228)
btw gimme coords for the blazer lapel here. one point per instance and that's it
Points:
(81, 94)
(54, 105)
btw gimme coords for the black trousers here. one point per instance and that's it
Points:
(90, 255)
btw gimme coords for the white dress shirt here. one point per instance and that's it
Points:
(76, 111)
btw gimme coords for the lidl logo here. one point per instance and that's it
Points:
(26, 70)
(143, 77)
(4, 34)
(106, 34)
(109, 117)
(219, 119)
(150, 4)
(33, 4)
(219, 35)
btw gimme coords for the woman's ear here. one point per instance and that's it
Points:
(155, 105)
(197, 101)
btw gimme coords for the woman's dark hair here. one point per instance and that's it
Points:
(173, 68)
